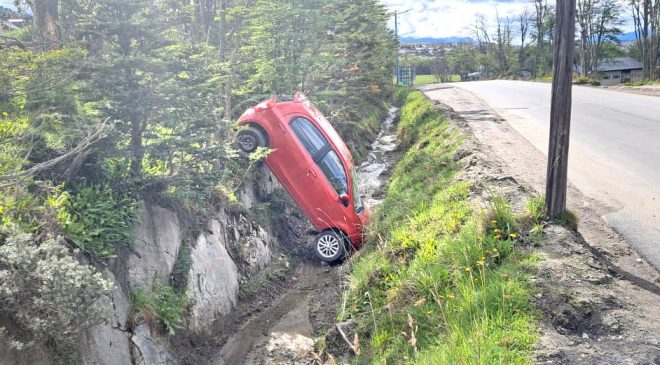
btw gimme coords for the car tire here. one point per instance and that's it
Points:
(330, 246)
(249, 139)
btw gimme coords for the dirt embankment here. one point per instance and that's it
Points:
(598, 299)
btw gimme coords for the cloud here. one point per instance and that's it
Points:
(445, 18)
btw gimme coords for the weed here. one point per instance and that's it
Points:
(161, 305)
(439, 287)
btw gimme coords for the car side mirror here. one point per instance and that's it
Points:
(345, 199)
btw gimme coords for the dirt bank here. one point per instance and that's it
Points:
(598, 298)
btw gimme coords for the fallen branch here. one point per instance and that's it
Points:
(343, 335)
(86, 143)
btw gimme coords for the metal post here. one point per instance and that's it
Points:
(398, 45)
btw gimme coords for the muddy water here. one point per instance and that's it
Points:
(375, 170)
(282, 332)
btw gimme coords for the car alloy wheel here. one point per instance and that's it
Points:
(329, 246)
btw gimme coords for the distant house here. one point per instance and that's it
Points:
(618, 70)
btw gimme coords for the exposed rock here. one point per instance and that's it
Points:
(213, 279)
(108, 344)
(157, 241)
(148, 349)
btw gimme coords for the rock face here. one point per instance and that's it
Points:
(230, 248)
(157, 241)
(213, 279)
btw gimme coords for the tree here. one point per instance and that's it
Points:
(46, 22)
(598, 21)
(541, 11)
(503, 43)
(646, 20)
(524, 19)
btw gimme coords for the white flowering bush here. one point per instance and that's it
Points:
(46, 294)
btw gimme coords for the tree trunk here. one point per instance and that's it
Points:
(46, 22)
(560, 110)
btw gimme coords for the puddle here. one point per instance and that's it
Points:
(380, 160)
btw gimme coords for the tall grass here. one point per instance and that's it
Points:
(436, 285)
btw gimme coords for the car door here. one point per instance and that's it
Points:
(325, 178)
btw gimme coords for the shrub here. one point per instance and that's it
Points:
(161, 305)
(582, 80)
(47, 294)
(97, 219)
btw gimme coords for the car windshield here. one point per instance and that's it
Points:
(357, 200)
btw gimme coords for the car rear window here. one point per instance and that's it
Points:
(333, 169)
(308, 134)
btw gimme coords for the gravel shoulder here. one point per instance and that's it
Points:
(598, 298)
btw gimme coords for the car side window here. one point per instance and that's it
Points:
(308, 135)
(333, 169)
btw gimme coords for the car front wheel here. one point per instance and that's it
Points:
(249, 139)
(329, 246)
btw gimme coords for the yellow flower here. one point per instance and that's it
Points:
(5, 114)
(494, 249)
(429, 312)
(493, 222)
(450, 297)
(513, 235)
(480, 263)
(468, 269)
(496, 230)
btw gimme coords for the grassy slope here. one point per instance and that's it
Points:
(438, 285)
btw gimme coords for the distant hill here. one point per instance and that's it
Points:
(626, 37)
(428, 40)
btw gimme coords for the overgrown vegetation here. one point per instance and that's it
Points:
(441, 283)
(161, 306)
(46, 294)
(106, 103)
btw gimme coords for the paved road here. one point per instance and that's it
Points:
(614, 152)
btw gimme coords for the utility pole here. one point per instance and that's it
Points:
(396, 34)
(560, 108)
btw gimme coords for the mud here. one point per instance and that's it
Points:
(279, 326)
(598, 298)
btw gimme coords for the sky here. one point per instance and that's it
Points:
(447, 18)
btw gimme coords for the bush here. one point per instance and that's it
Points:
(161, 305)
(586, 81)
(97, 219)
(47, 294)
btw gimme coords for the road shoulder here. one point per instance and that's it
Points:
(590, 313)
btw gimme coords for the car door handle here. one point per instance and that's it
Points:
(310, 172)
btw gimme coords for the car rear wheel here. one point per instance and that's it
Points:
(329, 246)
(249, 139)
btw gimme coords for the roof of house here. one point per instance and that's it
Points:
(619, 64)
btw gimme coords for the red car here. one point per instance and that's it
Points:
(314, 165)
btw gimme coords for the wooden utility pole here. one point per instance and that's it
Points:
(560, 109)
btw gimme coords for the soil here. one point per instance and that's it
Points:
(597, 297)
(651, 90)
(279, 324)
(598, 300)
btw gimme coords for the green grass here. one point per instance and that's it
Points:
(425, 80)
(162, 305)
(441, 281)
(432, 79)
